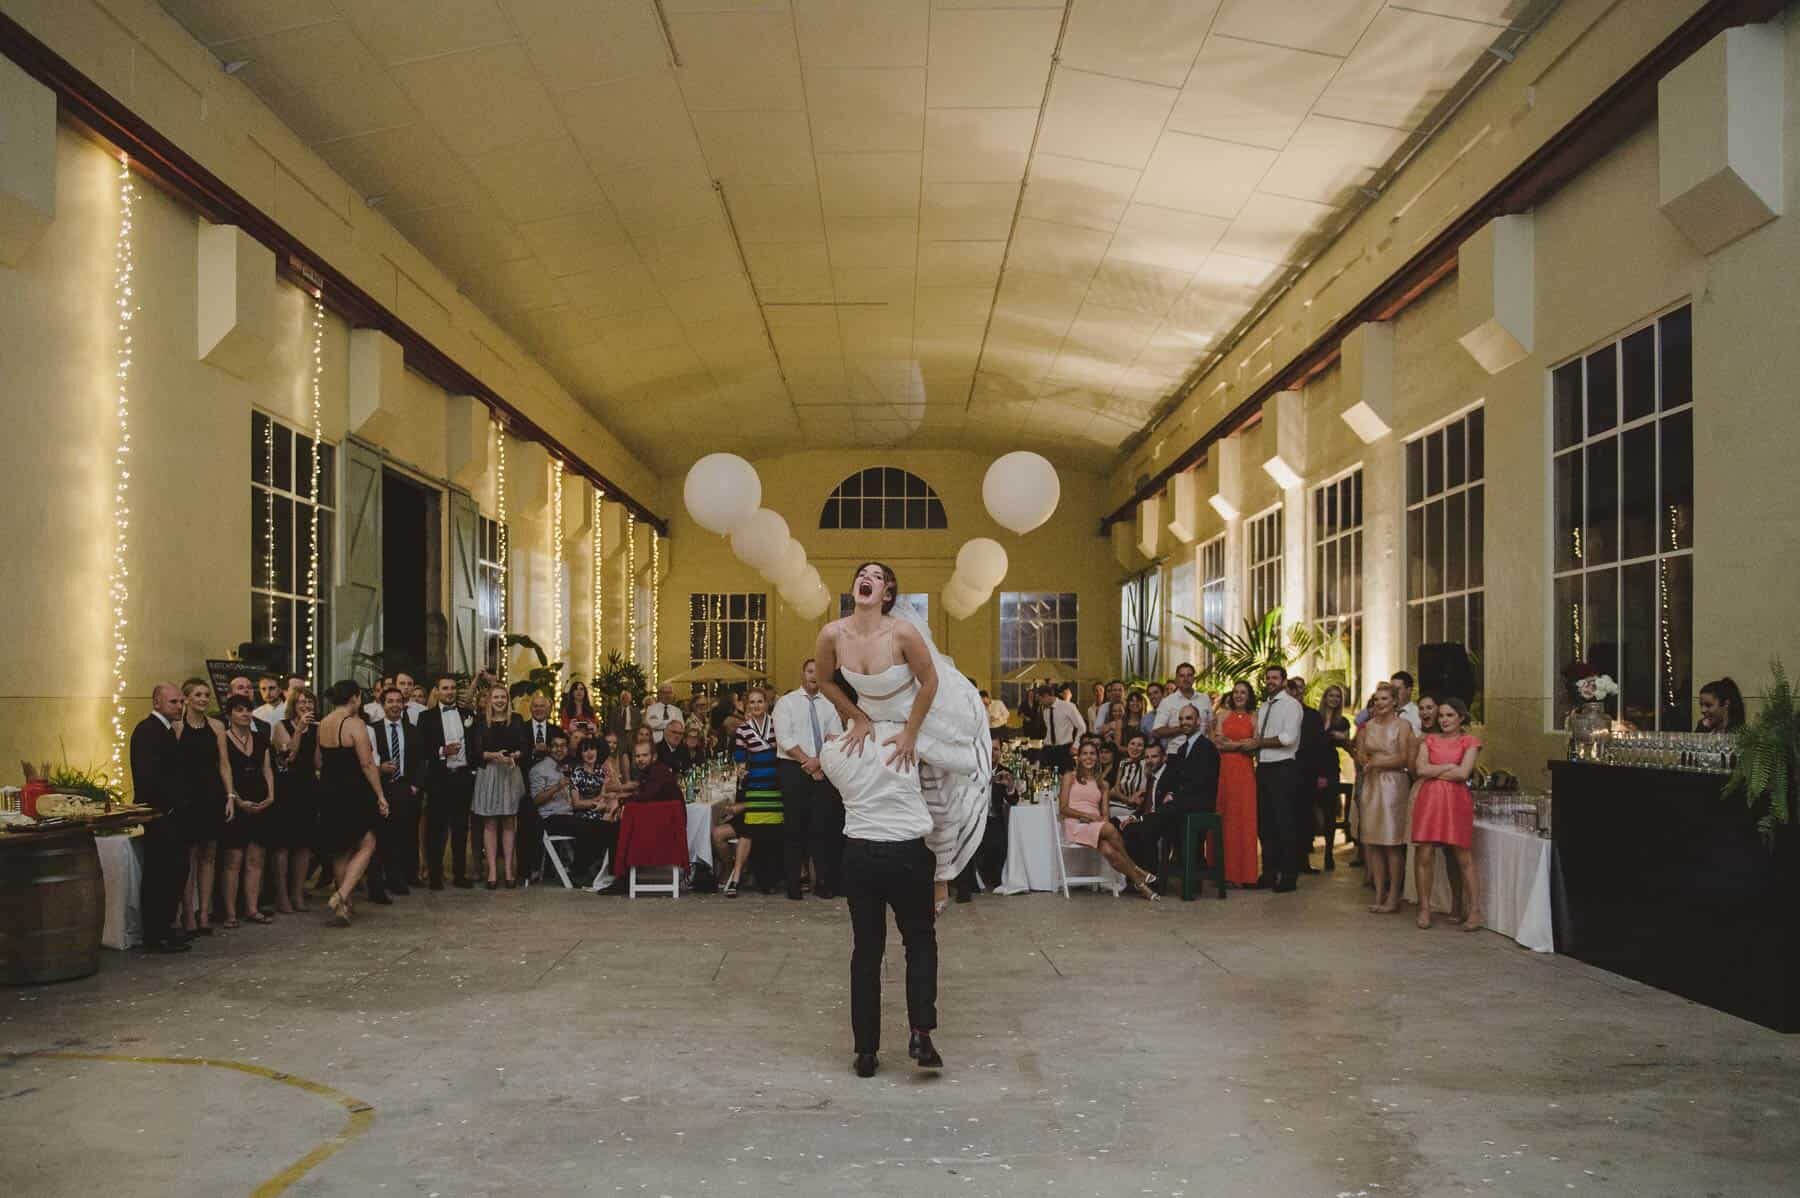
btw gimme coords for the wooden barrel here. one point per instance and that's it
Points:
(52, 908)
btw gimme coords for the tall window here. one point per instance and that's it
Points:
(1140, 605)
(1212, 590)
(1034, 626)
(490, 593)
(1444, 512)
(1622, 469)
(1263, 563)
(733, 627)
(883, 497)
(1183, 601)
(1337, 572)
(281, 545)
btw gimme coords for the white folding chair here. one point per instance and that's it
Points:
(672, 887)
(602, 879)
(554, 857)
(1102, 875)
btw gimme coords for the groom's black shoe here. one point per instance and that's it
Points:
(919, 1048)
(865, 1064)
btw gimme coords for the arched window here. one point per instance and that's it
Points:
(883, 497)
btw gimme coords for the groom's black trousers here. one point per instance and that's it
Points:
(879, 874)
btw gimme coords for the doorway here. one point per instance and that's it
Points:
(412, 622)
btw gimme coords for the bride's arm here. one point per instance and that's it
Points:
(857, 725)
(917, 655)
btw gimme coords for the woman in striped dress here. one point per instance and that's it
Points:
(753, 749)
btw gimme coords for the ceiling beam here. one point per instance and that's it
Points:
(98, 113)
(1622, 108)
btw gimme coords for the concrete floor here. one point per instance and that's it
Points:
(562, 1043)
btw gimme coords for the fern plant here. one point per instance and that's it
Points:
(1768, 762)
(617, 678)
(1263, 643)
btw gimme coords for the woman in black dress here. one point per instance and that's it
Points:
(1337, 750)
(296, 805)
(252, 825)
(206, 777)
(349, 790)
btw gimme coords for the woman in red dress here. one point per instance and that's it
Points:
(1444, 810)
(1235, 735)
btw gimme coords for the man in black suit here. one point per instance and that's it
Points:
(1193, 762)
(449, 783)
(530, 838)
(155, 783)
(397, 839)
(1314, 751)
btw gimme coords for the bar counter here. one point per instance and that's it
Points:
(1659, 878)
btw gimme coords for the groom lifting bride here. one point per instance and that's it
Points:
(913, 769)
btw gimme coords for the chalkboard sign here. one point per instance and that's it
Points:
(221, 672)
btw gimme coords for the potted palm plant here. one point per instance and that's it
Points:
(1264, 643)
(1768, 757)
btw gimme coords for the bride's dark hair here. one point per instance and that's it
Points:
(893, 584)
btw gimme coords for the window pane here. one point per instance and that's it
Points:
(1434, 548)
(260, 556)
(284, 545)
(1565, 404)
(1455, 468)
(284, 457)
(871, 512)
(871, 482)
(260, 464)
(1566, 485)
(1415, 634)
(915, 513)
(1602, 390)
(1415, 553)
(1477, 446)
(303, 465)
(1677, 641)
(935, 513)
(1600, 625)
(915, 487)
(262, 616)
(1434, 462)
(1477, 634)
(894, 513)
(327, 475)
(327, 521)
(1354, 602)
(1415, 471)
(1676, 332)
(851, 488)
(1637, 505)
(737, 606)
(829, 517)
(1455, 543)
(1675, 519)
(1067, 642)
(893, 483)
(1601, 535)
(1456, 627)
(1477, 534)
(1567, 646)
(1639, 365)
(1434, 622)
(1637, 681)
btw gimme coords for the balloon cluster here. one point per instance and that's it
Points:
(1020, 491)
(723, 493)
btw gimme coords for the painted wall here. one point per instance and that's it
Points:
(1066, 554)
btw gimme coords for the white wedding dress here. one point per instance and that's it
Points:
(955, 757)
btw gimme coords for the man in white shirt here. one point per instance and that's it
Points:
(1114, 705)
(1403, 700)
(273, 710)
(539, 725)
(1063, 726)
(658, 714)
(997, 713)
(1167, 724)
(812, 814)
(1278, 724)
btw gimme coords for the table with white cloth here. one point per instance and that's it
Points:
(1032, 856)
(122, 871)
(699, 832)
(1514, 864)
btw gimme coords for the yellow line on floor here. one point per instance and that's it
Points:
(362, 1115)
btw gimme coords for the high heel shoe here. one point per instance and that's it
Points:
(340, 910)
(1143, 889)
(492, 884)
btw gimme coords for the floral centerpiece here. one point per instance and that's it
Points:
(1590, 727)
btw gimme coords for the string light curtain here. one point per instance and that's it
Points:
(655, 601)
(313, 581)
(558, 633)
(269, 525)
(500, 512)
(119, 579)
(631, 648)
(599, 613)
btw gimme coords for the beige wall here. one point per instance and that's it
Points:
(1606, 260)
(1066, 554)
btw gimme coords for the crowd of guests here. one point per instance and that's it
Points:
(1280, 773)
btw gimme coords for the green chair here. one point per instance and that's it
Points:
(1196, 825)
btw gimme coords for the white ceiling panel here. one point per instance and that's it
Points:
(1327, 26)
(1329, 159)
(862, 109)
(1403, 67)
(928, 216)
(1103, 119)
(862, 33)
(1251, 93)
(991, 57)
(1151, 40)
(1200, 174)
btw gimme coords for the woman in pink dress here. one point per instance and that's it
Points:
(1082, 806)
(1232, 733)
(1444, 810)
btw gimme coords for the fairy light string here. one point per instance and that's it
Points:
(500, 513)
(599, 612)
(119, 576)
(558, 635)
(655, 602)
(313, 581)
(631, 586)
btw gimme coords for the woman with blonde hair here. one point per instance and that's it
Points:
(1082, 807)
(206, 772)
(1384, 749)
(499, 739)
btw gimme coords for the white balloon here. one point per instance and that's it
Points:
(1021, 490)
(761, 540)
(981, 563)
(964, 593)
(801, 591)
(721, 492)
(791, 564)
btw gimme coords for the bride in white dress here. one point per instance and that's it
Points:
(927, 720)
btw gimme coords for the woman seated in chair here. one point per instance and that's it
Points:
(588, 800)
(1082, 806)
